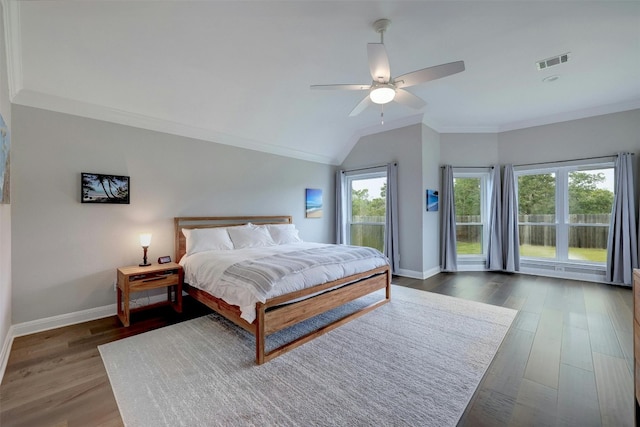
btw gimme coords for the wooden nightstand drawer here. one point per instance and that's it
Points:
(143, 282)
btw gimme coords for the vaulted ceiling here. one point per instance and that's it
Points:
(238, 72)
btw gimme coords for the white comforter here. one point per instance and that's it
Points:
(204, 270)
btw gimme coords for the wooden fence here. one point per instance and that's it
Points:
(586, 230)
(371, 235)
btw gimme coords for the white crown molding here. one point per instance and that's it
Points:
(538, 121)
(374, 129)
(13, 45)
(45, 101)
(467, 129)
(573, 115)
(390, 125)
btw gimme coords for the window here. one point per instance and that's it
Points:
(537, 214)
(564, 212)
(590, 202)
(470, 196)
(366, 211)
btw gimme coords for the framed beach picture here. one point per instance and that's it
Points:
(432, 200)
(313, 203)
(100, 188)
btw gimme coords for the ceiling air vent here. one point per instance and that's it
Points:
(554, 60)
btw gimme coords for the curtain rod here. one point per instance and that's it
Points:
(370, 167)
(469, 167)
(572, 160)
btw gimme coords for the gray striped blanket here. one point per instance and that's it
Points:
(263, 273)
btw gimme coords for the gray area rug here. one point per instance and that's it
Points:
(415, 361)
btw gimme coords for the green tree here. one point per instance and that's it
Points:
(537, 194)
(584, 195)
(360, 202)
(378, 206)
(467, 196)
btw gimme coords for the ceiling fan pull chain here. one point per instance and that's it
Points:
(381, 114)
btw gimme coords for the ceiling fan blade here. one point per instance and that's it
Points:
(407, 98)
(378, 62)
(428, 74)
(341, 87)
(362, 105)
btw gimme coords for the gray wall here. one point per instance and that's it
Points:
(431, 153)
(404, 146)
(65, 254)
(5, 210)
(469, 149)
(594, 136)
(591, 137)
(420, 151)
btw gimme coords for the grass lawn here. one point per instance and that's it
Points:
(577, 254)
(469, 248)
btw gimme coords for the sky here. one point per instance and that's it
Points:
(374, 185)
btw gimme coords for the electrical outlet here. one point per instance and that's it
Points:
(115, 286)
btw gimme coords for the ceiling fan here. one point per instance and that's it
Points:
(384, 89)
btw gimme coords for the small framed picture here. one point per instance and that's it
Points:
(313, 203)
(432, 200)
(101, 188)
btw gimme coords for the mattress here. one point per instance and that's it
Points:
(210, 271)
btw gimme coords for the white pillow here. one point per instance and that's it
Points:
(275, 226)
(282, 235)
(250, 236)
(207, 239)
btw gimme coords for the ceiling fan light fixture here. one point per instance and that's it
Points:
(382, 94)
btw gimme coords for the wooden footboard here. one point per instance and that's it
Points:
(268, 322)
(279, 313)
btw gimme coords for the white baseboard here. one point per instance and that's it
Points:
(61, 320)
(48, 323)
(5, 351)
(420, 275)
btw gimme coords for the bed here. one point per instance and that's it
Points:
(281, 311)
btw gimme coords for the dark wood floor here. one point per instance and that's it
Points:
(566, 361)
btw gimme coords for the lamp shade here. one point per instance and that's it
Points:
(145, 239)
(382, 94)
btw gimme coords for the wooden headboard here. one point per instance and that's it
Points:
(217, 221)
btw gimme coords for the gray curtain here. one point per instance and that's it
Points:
(448, 256)
(341, 223)
(622, 248)
(391, 248)
(510, 234)
(494, 252)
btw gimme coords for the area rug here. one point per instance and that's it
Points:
(414, 361)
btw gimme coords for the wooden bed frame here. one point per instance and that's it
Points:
(281, 312)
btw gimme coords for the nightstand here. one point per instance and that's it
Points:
(135, 279)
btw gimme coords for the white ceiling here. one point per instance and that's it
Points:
(238, 72)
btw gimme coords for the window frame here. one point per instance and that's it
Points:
(351, 176)
(561, 223)
(485, 189)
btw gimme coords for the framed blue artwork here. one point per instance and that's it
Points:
(313, 203)
(432, 200)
